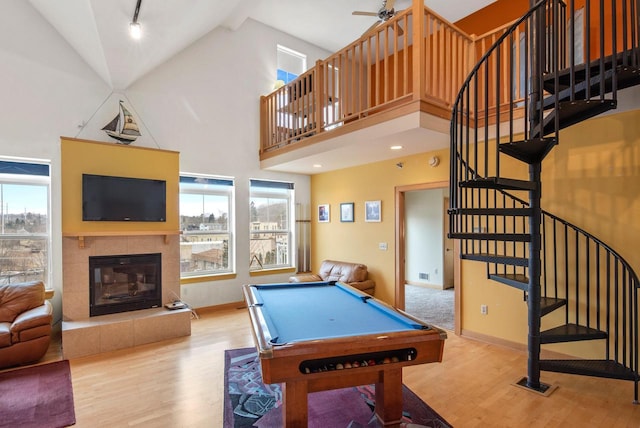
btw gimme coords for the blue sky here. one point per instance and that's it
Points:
(20, 198)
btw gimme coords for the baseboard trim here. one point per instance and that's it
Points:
(515, 346)
(426, 285)
(233, 305)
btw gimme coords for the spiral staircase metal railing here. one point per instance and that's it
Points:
(537, 79)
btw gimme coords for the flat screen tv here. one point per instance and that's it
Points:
(108, 198)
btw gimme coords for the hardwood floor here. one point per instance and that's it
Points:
(179, 383)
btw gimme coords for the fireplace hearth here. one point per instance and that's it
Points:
(122, 283)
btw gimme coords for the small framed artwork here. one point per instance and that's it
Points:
(323, 213)
(346, 212)
(372, 211)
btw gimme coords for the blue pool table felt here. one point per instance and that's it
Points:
(297, 312)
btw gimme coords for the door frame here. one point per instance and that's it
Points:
(400, 256)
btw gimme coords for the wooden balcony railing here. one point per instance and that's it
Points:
(404, 61)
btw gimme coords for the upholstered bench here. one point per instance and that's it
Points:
(354, 274)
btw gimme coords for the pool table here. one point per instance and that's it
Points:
(316, 336)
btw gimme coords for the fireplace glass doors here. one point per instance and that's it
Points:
(124, 283)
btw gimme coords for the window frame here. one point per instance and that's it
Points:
(259, 188)
(30, 172)
(283, 72)
(219, 183)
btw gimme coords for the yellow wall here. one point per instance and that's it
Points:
(81, 156)
(358, 241)
(590, 179)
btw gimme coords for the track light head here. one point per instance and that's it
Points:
(135, 29)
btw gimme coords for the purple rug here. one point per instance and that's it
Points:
(250, 403)
(37, 396)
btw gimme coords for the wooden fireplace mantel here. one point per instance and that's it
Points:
(82, 235)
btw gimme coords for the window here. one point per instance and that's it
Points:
(291, 64)
(24, 222)
(206, 221)
(271, 207)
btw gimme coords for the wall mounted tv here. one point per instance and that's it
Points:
(108, 198)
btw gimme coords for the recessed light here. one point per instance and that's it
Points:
(317, 165)
(396, 147)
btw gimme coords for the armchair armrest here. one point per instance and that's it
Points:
(305, 277)
(368, 286)
(35, 317)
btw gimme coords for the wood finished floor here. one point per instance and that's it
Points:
(179, 383)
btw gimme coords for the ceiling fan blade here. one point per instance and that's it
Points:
(368, 30)
(358, 12)
(400, 30)
(389, 4)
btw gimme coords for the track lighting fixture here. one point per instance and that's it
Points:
(134, 26)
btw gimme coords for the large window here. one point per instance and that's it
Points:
(24, 222)
(206, 221)
(271, 208)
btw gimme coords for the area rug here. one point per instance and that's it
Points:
(37, 396)
(250, 403)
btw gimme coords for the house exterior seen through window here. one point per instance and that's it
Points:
(24, 222)
(271, 236)
(207, 225)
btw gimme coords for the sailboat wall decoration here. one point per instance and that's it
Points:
(123, 127)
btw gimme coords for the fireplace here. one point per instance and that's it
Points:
(122, 283)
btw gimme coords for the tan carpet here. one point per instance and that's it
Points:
(430, 305)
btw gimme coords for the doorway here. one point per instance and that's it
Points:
(426, 264)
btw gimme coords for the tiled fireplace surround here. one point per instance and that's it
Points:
(84, 335)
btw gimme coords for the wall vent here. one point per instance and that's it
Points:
(424, 276)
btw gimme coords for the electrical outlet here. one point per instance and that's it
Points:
(484, 309)
(382, 246)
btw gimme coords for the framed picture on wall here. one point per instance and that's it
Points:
(346, 212)
(323, 213)
(372, 211)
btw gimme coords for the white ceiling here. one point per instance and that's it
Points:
(99, 31)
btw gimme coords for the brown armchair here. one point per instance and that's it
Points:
(354, 274)
(25, 323)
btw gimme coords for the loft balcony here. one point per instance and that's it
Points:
(394, 85)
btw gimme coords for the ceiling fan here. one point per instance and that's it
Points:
(385, 13)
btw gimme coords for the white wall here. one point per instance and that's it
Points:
(46, 91)
(203, 103)
(424, 236)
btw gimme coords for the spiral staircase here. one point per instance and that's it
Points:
(527, 87)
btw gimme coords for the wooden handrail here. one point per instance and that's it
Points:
(398, 62)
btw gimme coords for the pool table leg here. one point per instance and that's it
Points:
(294, 401)
(389, 397)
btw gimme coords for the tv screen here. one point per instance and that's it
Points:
(108, 198)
